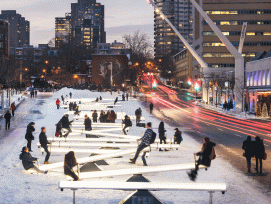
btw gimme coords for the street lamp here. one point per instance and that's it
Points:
(111, 78)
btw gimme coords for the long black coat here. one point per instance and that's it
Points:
(65, 122)
(205, 153)
(161, 130)
(259, 149)
(7, 116)
(88, 124)
(43, 139)
(27, 160)
(248, 147)
(29, 131)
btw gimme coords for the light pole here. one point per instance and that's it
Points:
(21, 75)
(111, 78)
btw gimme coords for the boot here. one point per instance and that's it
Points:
(166, 150)
(132, 161)
(160, 150)
(248, 169)
(46, 162)
(192, 175)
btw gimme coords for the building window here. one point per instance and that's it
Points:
(268, 78)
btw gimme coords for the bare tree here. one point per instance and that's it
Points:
(140, 46)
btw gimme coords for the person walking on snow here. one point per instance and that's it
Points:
(145, 142)
(28, 161)
(29, 135)
(206, 154)
(43, 143)
(248, 147)
(70, 94)
(95, 116)
(7, 117)
(62, 98)
(13, 108)
(259, 151)
(127, 96)
(123, 97)
(151, 107)
(57, 103)
(65, 123)
(116, 100)
(162, 137)
(178, 136)
(138, 114)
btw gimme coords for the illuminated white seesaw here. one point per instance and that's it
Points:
(85, 151)
(104, 133)
(111, 145)
(89, 159)
(94, 132)
(143, 186)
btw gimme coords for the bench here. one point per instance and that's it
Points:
(143, 186)
(90, 159)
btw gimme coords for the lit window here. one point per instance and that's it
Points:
(250, 33)
(266, 33)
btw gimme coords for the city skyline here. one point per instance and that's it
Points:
(123, 18)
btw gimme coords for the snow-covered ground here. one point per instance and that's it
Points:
(18, 186)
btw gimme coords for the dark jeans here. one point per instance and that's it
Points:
(69, 130)
(261, 164)
(7, 124)
(139, 149)
(29, 144)
(48, 153)
(137, 119)
(57, 106)
(13, 111)
(161, 141)
(126, 126)
(151, 110)
(95, 120)
(73, 175)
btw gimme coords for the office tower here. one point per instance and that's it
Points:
(62, 30)
(167, 43)
(229, 16)
(19, 28)
(91, 10)
(4, 39)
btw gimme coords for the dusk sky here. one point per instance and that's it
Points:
(121, 17)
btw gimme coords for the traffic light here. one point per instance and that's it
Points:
(197, 86)
(154, 85)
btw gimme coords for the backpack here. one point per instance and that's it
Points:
(212, 156)
(153, 137)
(130, 123)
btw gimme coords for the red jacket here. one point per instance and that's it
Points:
(58, 102)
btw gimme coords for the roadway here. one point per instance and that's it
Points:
(226, 131)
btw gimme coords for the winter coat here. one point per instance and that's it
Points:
(43, 140)
(259, 149)
(112, 117)
(65, 122)
(58, 127)
(248, 147)
(29, 131)
(178, 137)
(27, 160)
(146, 139)
(205, 153)
(7, 116)
(151, 106)
(13, 107)
(94, 116)
(57, 102)
(87, 124)
(138, 113)
(68, 165)
(161, 130)
(127, 122)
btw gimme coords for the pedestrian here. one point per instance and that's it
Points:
(13, 108)
(101, 98)
(151, 107)
(70, 94)
(7, 117)
(206, 154)
(101, 118)
(69, 163)
(29, 135)
(87, 123)
(62, 98)
(32, 94)
(36, 93)
(259, 152)
(58, 129)
(248, 147)
(162, 137)
(97, 99)
(43, 143)
(138, 114)
(145, 142)
(178, 136)
(74, 106)
(127, 123)
(28, 161)
(77, 112)
(127, 96)
(112, 116)
(116, 100)
(107, 117)
(65, 123)
(95, 116)
(70, 106)
(57, 103)
(123, 97)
